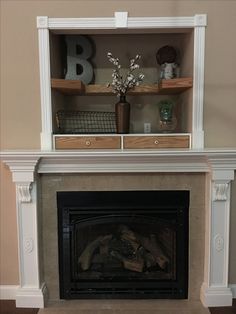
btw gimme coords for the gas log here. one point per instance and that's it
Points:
(135, 251)
(152, 246)
(134, 265)
(86, 256)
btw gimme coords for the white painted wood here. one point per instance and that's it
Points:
(8, 292)
(220, 191)
(191, 160)
(114, 164)
(132, 22)
(45, 82)
(215, 289)
(29, 293)
(121, 19)
(23, 191)
(81, 23)
(31, 297)
(161, 22)
(28, 233)
(124, 135)
(200, 20)
(198, 87)
(215, 296)
(219, 257)
(22, 167)
(42, 22)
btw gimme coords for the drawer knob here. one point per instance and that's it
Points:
(156, 142)
(87, 143)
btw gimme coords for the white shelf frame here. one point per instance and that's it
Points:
(197, 22)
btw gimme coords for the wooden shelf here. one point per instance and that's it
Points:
(165, 87)
(70, 87)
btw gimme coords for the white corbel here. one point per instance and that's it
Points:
(23, 192)
(220, 191)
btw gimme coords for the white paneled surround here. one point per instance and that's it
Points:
(219, 166)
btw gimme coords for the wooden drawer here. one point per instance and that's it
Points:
(145, 142)
(87, 142)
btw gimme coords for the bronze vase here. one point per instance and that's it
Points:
(122, 109)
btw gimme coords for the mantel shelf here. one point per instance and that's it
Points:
(165, 87)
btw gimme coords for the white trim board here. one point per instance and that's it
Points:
(8, 292)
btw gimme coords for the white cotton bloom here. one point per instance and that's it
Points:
(120, 85)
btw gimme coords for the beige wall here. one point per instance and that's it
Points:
(8, 239)
(20, 96)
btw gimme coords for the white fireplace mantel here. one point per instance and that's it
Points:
(219, 165)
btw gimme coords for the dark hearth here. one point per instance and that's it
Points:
(123, 244)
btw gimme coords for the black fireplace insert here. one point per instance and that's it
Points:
(123, 244)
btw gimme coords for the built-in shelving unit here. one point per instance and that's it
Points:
(125, 36)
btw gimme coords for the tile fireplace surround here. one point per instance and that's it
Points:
(213, 168)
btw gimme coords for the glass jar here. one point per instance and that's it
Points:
(167, 119)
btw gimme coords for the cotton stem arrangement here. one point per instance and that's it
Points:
(121, 84)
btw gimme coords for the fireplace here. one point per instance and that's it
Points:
(123, 244)
(207, 175)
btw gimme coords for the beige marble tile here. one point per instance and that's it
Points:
(125, 307)
(197, 222)
(53, 183)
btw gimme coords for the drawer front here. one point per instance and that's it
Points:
(87, 142)
(145, 142)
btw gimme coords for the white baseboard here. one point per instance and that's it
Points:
(8, 292)
(216, 296)
(25, 297)
(233, 288)
(31, 297)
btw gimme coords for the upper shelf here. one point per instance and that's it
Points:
(165, 87)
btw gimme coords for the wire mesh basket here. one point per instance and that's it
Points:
(85, 122)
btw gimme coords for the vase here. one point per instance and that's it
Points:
(122, 109)
(167, 118)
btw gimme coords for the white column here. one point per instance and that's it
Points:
(45, 82)
(31, 291)
(215, 289)
(198, 81)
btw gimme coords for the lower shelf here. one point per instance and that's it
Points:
(127, 141)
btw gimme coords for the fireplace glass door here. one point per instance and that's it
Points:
(127, 244)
